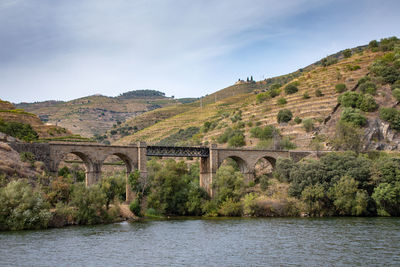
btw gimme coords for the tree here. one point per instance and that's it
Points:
(22, 208)
(284, 115)
(387, 196)
(347, 53)
(291, 89)
(347, 198)
(347, 137)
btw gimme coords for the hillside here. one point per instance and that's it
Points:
(243, 107)
(9, 114)
(94, 115)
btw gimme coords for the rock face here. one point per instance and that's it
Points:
(12, 166)
(379, 136)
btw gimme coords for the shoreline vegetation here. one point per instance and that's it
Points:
(337, 184)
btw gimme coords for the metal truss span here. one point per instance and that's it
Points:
(176, 151)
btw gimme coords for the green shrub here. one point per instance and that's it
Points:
(318, 93)
(227, 134)
(281, 101)
(284, 115)
(265, 133)
(353, 116)
(352, 67)
(396, 84)
(347, 137)
(18, 130)
(363, 80)
(287, 144)
(22, 208)
(308, 125)
(291, 89)
(396, 94)
(367, 103)
(373, 44)
(387, 197)
(275, 86)
(328, 61)
(340, 88)
(347, 53)
(387, 72)
(355, 100)
(228, 184)
(274, 92)
(392, 116)
(261, 97)
(347, 198)
(135, 207)
(306, 96)
(230, 208)
(237, 140)
(368, 88)
(297, 120)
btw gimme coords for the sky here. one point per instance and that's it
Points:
(66, 49)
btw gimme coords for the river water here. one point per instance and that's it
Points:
(210, 242)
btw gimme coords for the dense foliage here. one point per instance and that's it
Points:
(19, 130)
(146, 93)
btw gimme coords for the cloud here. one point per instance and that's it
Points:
(185, 48)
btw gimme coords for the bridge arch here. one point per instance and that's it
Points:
(128, 161)
(90, 166)
(243, 165)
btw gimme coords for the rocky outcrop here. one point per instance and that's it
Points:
(379, 136)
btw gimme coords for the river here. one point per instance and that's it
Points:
(210, 242)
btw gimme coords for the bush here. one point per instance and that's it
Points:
(355, 100)
(328, 61)
(18, 130)
(230, 208)
(387, 197)
(90, 203)
(318, 93)
(308, 125)
(387, 72)
(347, 198)
(275, 86)
(237, 140)
(135, 207)
(228, 184)
(347, 53)
(353, 116)
(396, 94)
(392, 116)
(347, 137)
(228, 134)
(281, 101)
(373, 44)
(265, 133)
(340, 88)
(306, 96)
(363, 80)
(274, 92)
(287, 144)
(349, 99)
(396, 84)
(291, 89)
(27, 157)
(261, 97)
(297, 120)
(366, 103)
(22, 208)
(368, 88)
(284, 115)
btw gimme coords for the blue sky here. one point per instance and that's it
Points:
(67, 49)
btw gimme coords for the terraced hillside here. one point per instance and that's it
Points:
(8, 113)
(96, 114)
(315, 102)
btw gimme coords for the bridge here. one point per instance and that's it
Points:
(135, 158)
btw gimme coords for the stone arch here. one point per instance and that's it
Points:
(129, 163)
(262, 166)
(90, 166)
(270, 159)
(243, 165)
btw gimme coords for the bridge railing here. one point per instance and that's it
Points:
(176, 151)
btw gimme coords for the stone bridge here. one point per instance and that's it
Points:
(135, 158)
